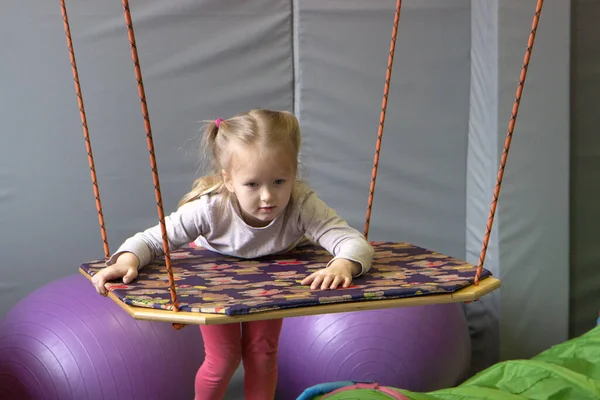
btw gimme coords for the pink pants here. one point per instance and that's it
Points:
(254, 343)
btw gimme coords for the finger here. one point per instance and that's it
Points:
(130, 275)
(114, 272)
(98, 281)
(336, 282)
(347, 282)
(316, 282)
(107, 274)
(327, 282)
(309, 279)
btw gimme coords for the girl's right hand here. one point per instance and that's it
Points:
(126, 267)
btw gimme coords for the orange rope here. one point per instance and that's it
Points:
(86, 135)
(159, 204)
(509, 134)
(386, 89)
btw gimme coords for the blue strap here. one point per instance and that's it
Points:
(323, 388)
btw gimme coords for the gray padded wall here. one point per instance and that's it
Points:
(585, 166)
(529, 246)
(421, 193)
(534, 204)
(343, 51)
(200, 60)
(482, 166)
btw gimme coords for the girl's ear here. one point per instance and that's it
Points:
(227, 181)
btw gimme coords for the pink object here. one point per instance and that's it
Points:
(394, 394)
(218, 121)
(253, 343)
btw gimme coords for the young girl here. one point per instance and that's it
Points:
(251, 205)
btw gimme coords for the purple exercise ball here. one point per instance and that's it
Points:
(419, 348)
(64, 341)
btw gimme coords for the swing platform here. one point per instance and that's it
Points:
(216, 289)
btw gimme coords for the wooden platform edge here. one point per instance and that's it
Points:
(468, 294)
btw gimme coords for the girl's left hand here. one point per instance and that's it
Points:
(339, 271)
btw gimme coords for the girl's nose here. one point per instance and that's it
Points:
(266, 195)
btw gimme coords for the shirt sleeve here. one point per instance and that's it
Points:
(323, 225)
(183, 226)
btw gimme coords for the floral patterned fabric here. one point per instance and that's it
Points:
(208, 282)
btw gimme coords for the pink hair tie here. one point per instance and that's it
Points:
(218, 122)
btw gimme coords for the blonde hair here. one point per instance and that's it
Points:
(264, 130)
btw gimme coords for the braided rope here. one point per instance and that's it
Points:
(157, 192)
(86, 134)
(386, 90)
(509, 134)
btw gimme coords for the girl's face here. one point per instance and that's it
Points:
(262, 183)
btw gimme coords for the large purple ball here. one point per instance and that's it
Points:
(419, 348)
(64, 341)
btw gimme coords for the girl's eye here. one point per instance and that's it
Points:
(279, 181)
(252, 184)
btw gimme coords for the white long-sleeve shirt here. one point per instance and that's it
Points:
(222, 229)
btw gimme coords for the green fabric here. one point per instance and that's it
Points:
(570, 370)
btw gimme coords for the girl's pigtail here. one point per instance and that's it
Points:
(208, 149)
(209, 141)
